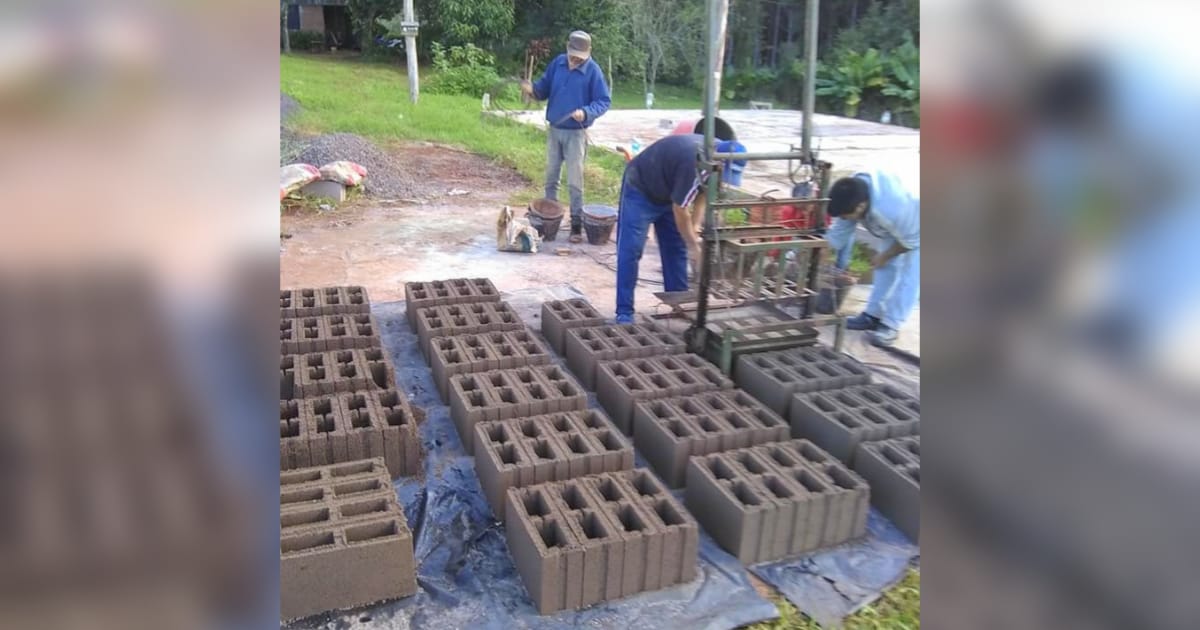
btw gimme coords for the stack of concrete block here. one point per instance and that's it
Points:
(327, 429)
(562, 315)
(419, 295)
(344, 541)
(463, 354)
(319, 333)
(622, 383)
(776, 377)
(839, 419)
(599, 538)
(323, 301)
(893, 468)
(337, 389)
(462, 319)
(587, 347)
(554, 447)
(774, 500)
(512, 393)
(670, 431)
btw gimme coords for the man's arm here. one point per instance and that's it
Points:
(540, 89)
(883, 258)
(601, 98)
(683, 222)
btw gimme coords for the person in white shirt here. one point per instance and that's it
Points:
(888, 205)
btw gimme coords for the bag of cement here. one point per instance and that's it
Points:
(514, 234)
(293, 177)
(344, 172)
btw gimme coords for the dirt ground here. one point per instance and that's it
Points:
(383, 245)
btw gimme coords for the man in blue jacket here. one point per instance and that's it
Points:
(577, 95)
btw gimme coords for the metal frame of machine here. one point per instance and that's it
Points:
(772, 267)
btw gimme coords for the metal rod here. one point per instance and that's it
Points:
(734, 203)
(810, 74)
(718, 12)
(751, 157)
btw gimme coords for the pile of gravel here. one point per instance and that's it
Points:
(386, 174)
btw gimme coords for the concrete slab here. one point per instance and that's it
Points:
(848, 143)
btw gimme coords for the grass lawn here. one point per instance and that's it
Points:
(371, 99)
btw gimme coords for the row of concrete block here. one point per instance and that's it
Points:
(598, 538)
(460, 319)
(325, 373)
(893, 468)
(512, 393)
(347, 427)
(621, 384)
(418, 295)
(463, 354)
(839, 419)
(327, 332)
(323, 301)
(776, 377)
(585, 348)
(554, 447)
(559, 316)
(774, 500)
(669, 431)
(344, 541)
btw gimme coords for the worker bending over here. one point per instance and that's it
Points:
(664, 187)
(888, 205)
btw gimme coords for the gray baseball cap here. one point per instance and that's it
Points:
(579, 44)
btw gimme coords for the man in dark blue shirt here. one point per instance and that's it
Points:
(664, 187)
(577, 95)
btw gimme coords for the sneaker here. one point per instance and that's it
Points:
(883, 336)
(576, 234)
(624, 320)
(863, 321)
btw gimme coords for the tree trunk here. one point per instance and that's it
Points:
(287, 38)
(775, 36)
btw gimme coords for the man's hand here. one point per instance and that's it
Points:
(579, 115)
(884, 258)
(526, 88)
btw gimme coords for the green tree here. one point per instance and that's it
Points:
(904, 78)
(461, 22)
(850, 77)
(364, 15)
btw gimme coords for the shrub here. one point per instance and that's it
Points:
(904, 79)
(467, 70)
(305, 40)
(850, 77)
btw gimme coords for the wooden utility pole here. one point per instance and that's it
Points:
(409, 27)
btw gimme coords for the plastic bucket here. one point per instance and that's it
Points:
(545, 216)
(598, 222)
(721, 130)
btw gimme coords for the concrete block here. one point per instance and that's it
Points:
(892, 468)
(773, 500)
(419, 295)
(838, 420)
(325, 190)
(560, 316)
(344, 541)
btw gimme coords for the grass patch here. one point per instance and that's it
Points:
(898, 609)
(371, 99)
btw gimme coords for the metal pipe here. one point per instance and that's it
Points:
(810, 74)
(757, 203)
(718, 13)
(750, 157)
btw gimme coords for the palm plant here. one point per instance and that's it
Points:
(904, 77)
(850, 77)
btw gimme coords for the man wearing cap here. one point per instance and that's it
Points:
(664, 187)
(577, 95)
(887, 203)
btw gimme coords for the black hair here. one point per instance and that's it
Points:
(845, 195)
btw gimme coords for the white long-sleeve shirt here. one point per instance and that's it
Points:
(895, 212)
